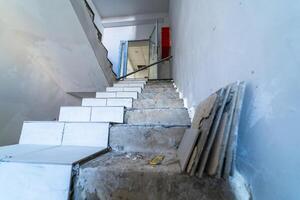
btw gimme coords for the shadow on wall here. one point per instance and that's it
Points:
(42, 44)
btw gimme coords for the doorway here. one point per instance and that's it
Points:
(137, 58)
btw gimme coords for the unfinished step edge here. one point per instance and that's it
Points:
(88, 114)
(141, 85)
(109, 101)
(117, 94)
(124, 89)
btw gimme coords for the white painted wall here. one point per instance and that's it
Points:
(218, 42)
(44, 54)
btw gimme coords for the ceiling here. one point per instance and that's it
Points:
(119, 8)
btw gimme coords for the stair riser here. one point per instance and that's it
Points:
(159, 90)
(132, 82)
(167, 95)
(145, 139)
(60, 133)
(133, 95)
(107, 102)
(92, 114)
(160, 103)
(124, 89)
(141, 85)
(159, 86)
(166, 117)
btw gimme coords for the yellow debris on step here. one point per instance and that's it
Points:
(157, 160)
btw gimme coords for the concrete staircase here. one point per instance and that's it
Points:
(101, 150)
(154, 124)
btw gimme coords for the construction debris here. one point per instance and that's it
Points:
(157, 160)
(209, 146)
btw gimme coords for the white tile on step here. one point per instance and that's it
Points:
(29, 181)
(133, 81)
(114, 89)
(106, 94)
(86, 134)
(141, 85)
(75, 114)
(65, 155)
(132, 89)
(21, 149)
(93, 102)
(126, 102)
(124, 89)
(133, 95)
(108, 114)
(42, 133)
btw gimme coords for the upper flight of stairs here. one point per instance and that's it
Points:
(100, 150)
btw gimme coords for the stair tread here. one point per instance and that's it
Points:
(116, 175)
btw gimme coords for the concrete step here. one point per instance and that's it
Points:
(159, 86)
(133, 81)
(124, 89)
(133, 95)
(117, 175)
(158, 103)
(159, 90)
(132, 138)
(165, 117)
(60, 133)
(122, 84)
(160, 82)
(92, 114)
(126, 102)
(156, 96)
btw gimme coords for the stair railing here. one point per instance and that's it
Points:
(146, 67)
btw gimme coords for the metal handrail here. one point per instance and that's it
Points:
(146, 67)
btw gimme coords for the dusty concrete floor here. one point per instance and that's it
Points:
(128, 176)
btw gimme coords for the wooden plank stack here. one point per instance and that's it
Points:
(216, 119)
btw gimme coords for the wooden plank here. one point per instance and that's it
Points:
(231, 151)
(213, 161)
(186, 147)
(204, 110)
(205, 127)
(211, 138)
(227, 131)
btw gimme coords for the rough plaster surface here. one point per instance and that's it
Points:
(158, 103)
(145, 138)
(119, 176)
(166, 117)
(218, 42)
(156, 96)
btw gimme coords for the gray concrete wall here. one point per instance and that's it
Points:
(44, 53)
(218, 42)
